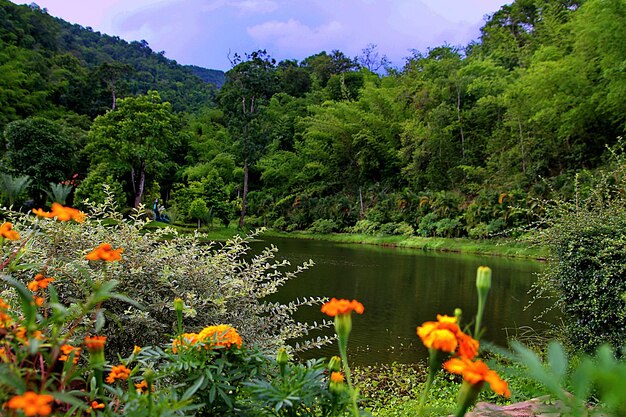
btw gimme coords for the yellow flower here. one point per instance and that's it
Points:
(184, 340)
(336, 307)
(476, 373)
(32, 404)
(7, 232)
(221, 335)
(105, 252)
(136, 350)
(118, 372)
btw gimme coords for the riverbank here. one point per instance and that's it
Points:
(492, 247)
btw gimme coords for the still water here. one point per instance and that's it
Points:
(400, 289)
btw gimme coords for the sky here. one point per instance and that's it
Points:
(207, 32)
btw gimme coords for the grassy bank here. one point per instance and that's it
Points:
(494, 247)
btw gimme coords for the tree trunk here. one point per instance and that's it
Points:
(139, 184)
(458, 115)
(244, 196)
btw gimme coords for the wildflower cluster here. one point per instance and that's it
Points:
(444, 338)
(221, 335)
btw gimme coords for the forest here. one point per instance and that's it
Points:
(458, 141)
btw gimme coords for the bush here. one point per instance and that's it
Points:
(323, 226)
(427, 225)
(219, 283)
(280, 224)
(586, 271)
(587, 274)
(367, 227)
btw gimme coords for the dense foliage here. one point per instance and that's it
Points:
(457, 142)
(586, 274)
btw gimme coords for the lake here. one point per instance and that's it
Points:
(402, 288)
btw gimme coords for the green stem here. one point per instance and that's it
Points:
(426, 390)
(346, 369)
(479, 316)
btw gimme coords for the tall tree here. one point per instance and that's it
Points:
(137, 138)
(250, 83)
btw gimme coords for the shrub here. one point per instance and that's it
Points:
(219, 283)
(586, 271)
(404, 229)
(427, 225)
(323, 226)
(367, 227)
(396, 229)
(587, 275)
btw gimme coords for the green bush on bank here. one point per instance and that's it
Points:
(586, 238)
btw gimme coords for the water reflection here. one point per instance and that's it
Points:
(401, 288)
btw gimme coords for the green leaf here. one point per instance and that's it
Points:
(100, 321)
(557, 360)
(192, 389)
(26, 299)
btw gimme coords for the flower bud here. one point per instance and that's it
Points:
(458, 313)
(179, 304)
(334, 364)
(282, 357)
(336, 384)
(483, 278)
(149, 375)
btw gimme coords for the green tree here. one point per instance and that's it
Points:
(249, 85)
(198, 211)
(41, 149)
(137, 138)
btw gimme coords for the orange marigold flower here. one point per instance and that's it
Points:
(141, 387)
(4, 356)
(440, 334)
(38, 301)
(468, 346)
(42, 213)
(105, 252)
(95, 343)
(62, 213)
(5, 319)
(95, 405)
(40, 282)
(476, 373)
(7, 232)
(20, 334)
(67, 350)
(118, 372)
(338, 307)
(221, 335)
(184, 340)
(336, 377)
(32, 404)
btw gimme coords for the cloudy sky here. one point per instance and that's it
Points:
(203, 32)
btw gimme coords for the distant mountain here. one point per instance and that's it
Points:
(211, 76)
(51, 67)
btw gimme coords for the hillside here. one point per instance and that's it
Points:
(49, 66)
